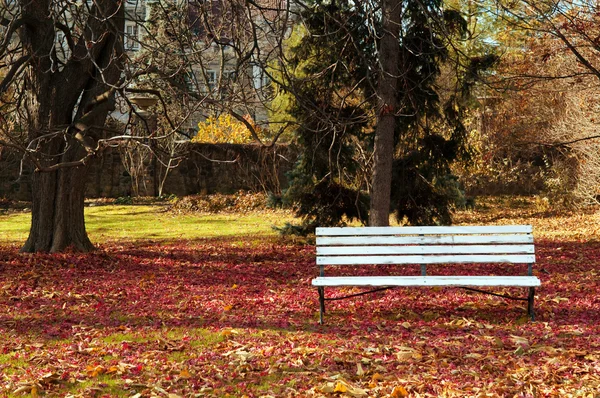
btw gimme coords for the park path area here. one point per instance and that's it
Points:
(238, 316)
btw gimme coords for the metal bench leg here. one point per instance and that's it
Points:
(321, 304)
(530, 303)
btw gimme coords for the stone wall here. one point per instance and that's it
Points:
(208, 168)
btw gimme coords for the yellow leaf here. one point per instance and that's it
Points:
(227, 308)
(95, 371)
(185, 374)
(374, 379)
(340, 387)
(234, 286)
(399, 392)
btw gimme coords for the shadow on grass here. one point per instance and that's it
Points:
(222, 283)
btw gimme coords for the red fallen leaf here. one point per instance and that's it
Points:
(192, 286)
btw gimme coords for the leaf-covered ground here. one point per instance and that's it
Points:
(234, 317)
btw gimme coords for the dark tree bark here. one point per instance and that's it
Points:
(389, 53)
(67, 104)
(57, 221)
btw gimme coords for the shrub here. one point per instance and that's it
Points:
(241, 201)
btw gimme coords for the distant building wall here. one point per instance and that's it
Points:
(209, 168)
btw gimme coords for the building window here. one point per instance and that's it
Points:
(260, 77)
(191, 82)
(211, 79)
(231, 75)
(132, 41)
(227, 82)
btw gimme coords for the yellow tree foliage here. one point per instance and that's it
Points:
(225, 129)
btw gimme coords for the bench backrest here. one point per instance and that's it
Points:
(425, 245)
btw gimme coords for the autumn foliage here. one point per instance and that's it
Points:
(216, 317)
(225, 129)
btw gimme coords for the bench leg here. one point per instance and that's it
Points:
(530, 303)
(321, 304)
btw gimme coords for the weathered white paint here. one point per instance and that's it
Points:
(424, 240)
(433, 259)
(525, 281)
(436, 249)
(475, 229)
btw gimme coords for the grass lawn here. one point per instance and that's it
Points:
(149, 314)
(118, 223)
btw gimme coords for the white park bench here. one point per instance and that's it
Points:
(355, 248)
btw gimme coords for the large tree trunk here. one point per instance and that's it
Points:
(67, 107)
(57, 221)
(389, 54)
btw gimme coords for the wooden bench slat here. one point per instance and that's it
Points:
(476, 229)
(437, 249)
(424, 240)
(526, 281)
(370, 246)
(453, 259)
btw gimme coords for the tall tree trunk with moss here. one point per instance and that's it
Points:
(389, 54)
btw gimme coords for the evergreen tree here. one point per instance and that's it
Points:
(335, 67)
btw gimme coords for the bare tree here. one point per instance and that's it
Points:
(68, 67)
(60, 96)
(573, 26)
(543, 95)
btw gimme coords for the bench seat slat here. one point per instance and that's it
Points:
(434, 259)
(486, 229)
(526, 281)
(425, 245)
(436, 249)
(424, 240)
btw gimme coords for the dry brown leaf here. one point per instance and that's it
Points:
(359, 370)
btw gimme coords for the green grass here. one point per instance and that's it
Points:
(103, 385)
(117, 223)
(11, 364)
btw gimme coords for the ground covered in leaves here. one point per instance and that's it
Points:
(234, 317)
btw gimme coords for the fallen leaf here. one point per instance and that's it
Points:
(359, 370)
(340, 387)
(327, 388)
(399, 392)
(185, 374)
